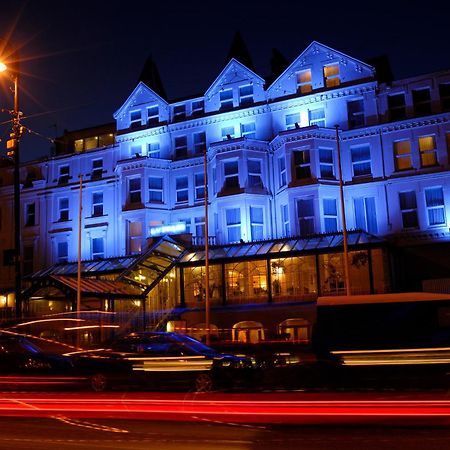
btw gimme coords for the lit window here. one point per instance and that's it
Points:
(79, 145)
(246, 94)
(421, 101)
(331, 75)
(199, 226)
(248, 130)
(153, 115)
(63, 209)
(396, 106)
(64, 173)
(427, 150)
(355, 113)
(254, 173)
(134, 190)
(155, 190)
(304, 81)
(233, 219)
(434, 198)
(226, 99)
(198, 107)
(180, 147)
(199, 143)
(91, 142)
(408, 207)
(292, 121)
(326, 163)
(302, 164)
(30, 215)
(134, 237)
(153, 150)
(282, 171)
(361, 160)
(330, 215)
(97, 169)
(179, 112)
(402, 155)
(231, 174)
(317, 117)
(365, 214)
(305, 211)
(135, 119)
(227, 133)
(256, 223)
(106, 139)
(97, 203)
(98, 248)
(182, 191)
(62, 252)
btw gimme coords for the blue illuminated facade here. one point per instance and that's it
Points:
(272, 164)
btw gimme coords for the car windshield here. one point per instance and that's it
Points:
(13, 345)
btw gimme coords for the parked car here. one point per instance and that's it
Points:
(24, 365)
(160, 360)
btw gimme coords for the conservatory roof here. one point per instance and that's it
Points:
(318, 242)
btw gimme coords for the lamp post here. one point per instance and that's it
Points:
(12, 146)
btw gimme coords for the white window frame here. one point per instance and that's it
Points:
(292, 121)
(182, 191)
(134, 191)
(199, 140)
(227, 133)
(232, 175)
(245, 98)
(199, 182)
(63, 210)
(181, 146)
(425, 151)
(62, 256)
(255, 174)
(97, 169)
(400, 155)
(332, 79)
(98, 254)
(304, 83)
(159, 191)
(330, 216)
(282, 171)
(97, 204)
(325, 164)
(431, 208)
(135, 118)
(152, 117)
(226, 100)
(319, 121)
(153, 150)
(248, 130)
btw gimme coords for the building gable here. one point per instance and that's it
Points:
(141, 99)
(319, 67)
(232, 77)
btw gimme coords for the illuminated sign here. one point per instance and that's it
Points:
(170, 228)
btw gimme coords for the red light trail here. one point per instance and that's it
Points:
(236, 408)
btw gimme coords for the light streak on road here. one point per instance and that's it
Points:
(245, 408)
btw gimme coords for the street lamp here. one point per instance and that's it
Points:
(12, 146)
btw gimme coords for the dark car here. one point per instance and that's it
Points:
(24, 365)
(161, 360)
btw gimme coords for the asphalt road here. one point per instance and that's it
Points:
(63, 433)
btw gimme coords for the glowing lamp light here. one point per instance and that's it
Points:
(3, 67)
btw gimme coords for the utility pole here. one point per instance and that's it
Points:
(344, 222)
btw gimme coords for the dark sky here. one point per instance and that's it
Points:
(81, 59)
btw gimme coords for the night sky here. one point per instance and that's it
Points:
(81, 59)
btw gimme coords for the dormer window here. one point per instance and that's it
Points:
(153, 115)
(135, 119)
(331, 75)
(179, 112)
(198, 107)
(246, 95)
(226, 99)
(304, 81)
